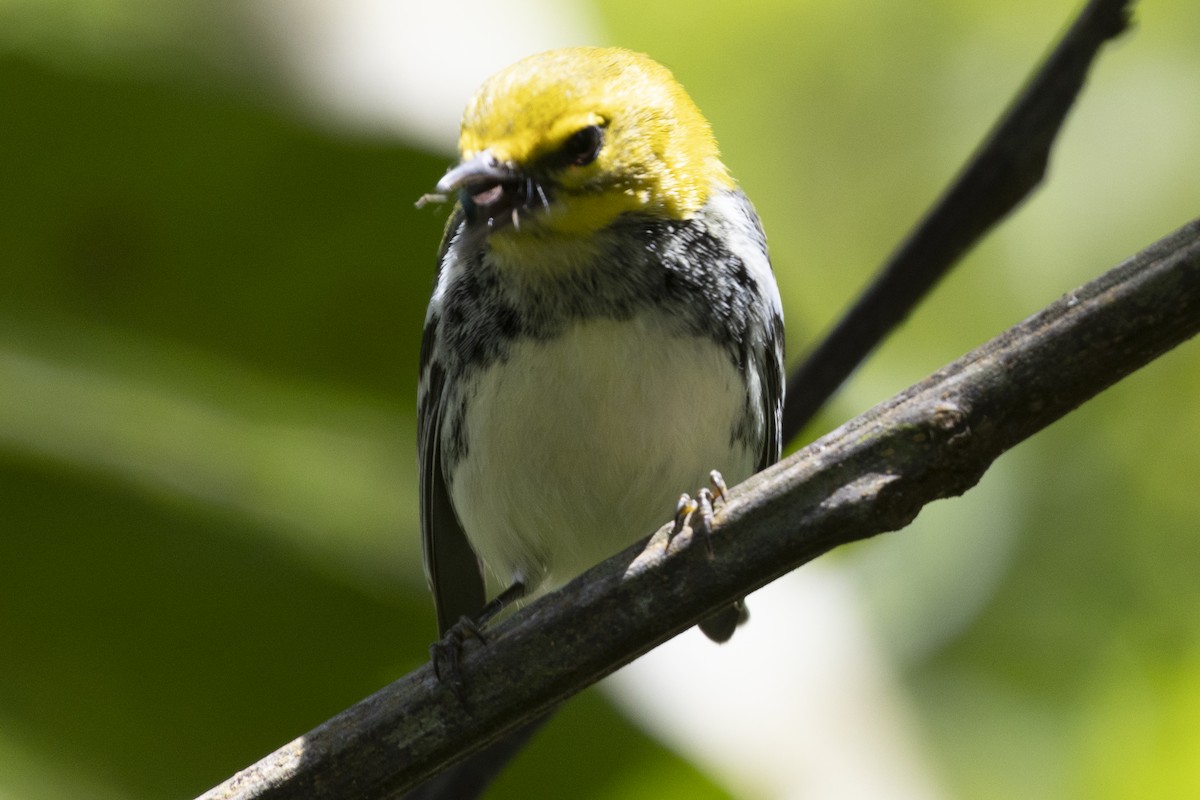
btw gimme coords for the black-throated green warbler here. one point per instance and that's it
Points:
(605, 328)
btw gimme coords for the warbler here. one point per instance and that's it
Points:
(604, 331)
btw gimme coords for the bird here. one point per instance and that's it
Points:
(605, 330)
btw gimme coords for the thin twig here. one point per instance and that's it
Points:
(1006, 168)
(871, 475)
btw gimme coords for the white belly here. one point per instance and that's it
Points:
(578, 446)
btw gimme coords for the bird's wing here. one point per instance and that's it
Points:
(451, 567)
(773, 383)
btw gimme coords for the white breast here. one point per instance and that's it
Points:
(580, 445)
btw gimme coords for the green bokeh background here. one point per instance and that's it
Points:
(209, 316)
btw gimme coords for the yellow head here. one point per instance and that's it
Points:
(561, 143)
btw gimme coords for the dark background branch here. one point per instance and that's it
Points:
(871, 475)
(1005, 169)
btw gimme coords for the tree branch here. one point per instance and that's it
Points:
(1009, 164)
(871, 475)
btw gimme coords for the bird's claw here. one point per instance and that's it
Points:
(720, 490)
(688, 507)
(683, 513)
(446, 655)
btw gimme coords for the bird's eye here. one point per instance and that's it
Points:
(583, 146)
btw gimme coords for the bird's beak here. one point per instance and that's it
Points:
(490, 189)
(477, 175)
(482, 180)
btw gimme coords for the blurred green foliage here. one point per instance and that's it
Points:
(209, 317)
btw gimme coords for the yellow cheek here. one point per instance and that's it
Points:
(531, 252)
(564, 236)
(588, 213)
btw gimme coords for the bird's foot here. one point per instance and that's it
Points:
(446, 653)
(697, 511)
